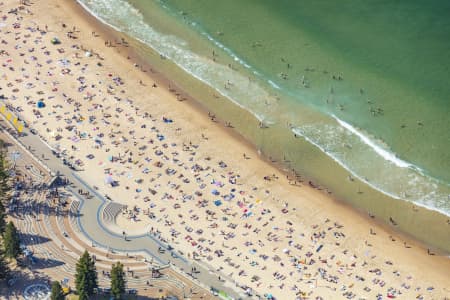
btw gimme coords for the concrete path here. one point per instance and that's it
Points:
(91, 224)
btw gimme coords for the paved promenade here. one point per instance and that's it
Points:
(90, 223)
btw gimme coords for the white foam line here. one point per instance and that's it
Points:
(342, 164)
(258, 116)
(336, 159)
(91, 12)
(382, 152)
(273, 84)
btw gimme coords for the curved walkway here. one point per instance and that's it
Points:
(51, 232)
(91, 225)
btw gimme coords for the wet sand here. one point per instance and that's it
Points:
(188, 178)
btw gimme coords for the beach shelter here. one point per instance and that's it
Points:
(40, 104)
(215, 192)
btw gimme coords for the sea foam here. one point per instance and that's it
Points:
(243, 92)
(394, 177)
(379, 168)
(377, 148)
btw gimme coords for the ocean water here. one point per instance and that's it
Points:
(363, 83)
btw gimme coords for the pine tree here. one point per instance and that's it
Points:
(4, 175)
(86, 277)
(2, 218)
(57, 293)
(4, 270)
(11, 241)
(117, 280)
(4, 190)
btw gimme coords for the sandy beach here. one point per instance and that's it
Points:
(189, 179)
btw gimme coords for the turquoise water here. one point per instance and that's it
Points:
(364, 82)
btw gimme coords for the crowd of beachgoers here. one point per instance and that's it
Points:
(188, 181)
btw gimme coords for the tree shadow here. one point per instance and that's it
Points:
(29, 239)
(44, 263)
(7, 144)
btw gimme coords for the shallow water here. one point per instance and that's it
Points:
(362, 85)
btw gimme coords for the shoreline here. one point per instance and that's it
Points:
(154, 73)
(317, 202)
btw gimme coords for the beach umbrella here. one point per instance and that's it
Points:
(40, 104)
(55, 41)
(215, 192)
(218, 203)
(109, 179)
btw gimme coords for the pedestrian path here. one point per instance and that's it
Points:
(55, 236)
